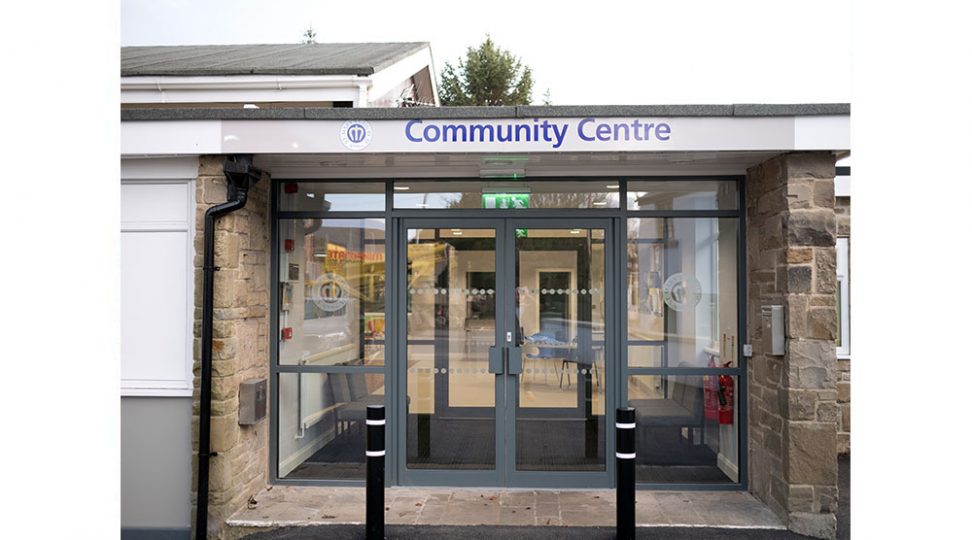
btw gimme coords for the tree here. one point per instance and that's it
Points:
(489, 76)
(310, 35)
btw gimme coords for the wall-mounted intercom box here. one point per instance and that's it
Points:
(253, 401)
(773, 325)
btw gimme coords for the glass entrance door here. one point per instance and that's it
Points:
(560, 304)
(504, 354)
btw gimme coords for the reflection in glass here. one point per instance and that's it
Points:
(682, 195)
(331, 196)
(682, 291)
(332, 291)
(687, 428)
(505, 194)
(321, 423)
(560, 307)
(451, 324)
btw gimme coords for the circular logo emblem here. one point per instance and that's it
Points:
(330, 293)
(682, 291)
(355, 134)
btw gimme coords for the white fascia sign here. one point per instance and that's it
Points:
(495, 135)
(589, 134)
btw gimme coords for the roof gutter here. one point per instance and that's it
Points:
(242, 82)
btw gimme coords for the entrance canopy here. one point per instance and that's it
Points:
(492, 141)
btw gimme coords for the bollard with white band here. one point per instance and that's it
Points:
(375, 483)
(625, 454)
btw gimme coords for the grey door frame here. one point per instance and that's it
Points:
(506, 386)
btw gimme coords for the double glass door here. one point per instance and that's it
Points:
(505, 354)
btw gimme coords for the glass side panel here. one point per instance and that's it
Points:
(450, 326)
(687, 428)
(331, 196)
(560, 309)
(321, 423)
(331, 287)
(507, 194)
(683, 290)
(682, 195)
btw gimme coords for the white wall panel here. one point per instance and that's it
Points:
(155, 314)
(145, 204)
(157, 217)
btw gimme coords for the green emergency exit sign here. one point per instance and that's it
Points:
(506, 200)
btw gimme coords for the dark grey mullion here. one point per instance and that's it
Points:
(742, 442)
(274, 326)
(621, 240)
(390, 353)
(613, 280)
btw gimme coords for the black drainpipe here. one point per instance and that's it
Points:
(240, 173)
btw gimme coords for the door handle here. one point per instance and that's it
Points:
(514, 361)
(496, 355)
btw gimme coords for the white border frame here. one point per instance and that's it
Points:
(843, 278)
(182, 170)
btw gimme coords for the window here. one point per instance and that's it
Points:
(843, 298)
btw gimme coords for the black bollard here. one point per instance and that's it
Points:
(375, 487)
(625, 453)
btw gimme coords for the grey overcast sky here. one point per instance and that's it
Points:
(596, 52)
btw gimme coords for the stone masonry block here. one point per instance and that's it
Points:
(220, 473)
(823, 193)
(825, 499)
(811, 453)
(799, 194)
(211, 165)
(799, 255)
(224, 349)
(814, 525)
(815, 227)
(799, 279)
(816, 165)
(213, 190)
(800, 498)
(227, 250)
(796, 315)
(225, 432)
(825, 271)
(822, 323)
(828, 412)
(810, 364)
(843, 392)
(798, 404)
(843, 442)
(772, 202)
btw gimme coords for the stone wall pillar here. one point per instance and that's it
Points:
(240, 342)
(842, 207)
(793, 410)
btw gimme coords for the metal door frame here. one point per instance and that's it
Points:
(440, 477)
(506, 386)
(565, 479)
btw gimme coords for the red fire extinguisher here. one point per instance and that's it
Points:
(726, 398)
(711, 390)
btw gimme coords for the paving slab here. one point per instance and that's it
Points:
(281, 506)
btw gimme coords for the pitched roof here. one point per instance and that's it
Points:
(290, 59)
(520, 111)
